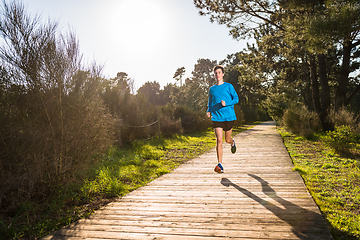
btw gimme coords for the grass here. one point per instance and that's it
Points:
(333, 181)
(113, 175)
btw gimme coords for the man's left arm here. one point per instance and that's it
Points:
(234, 98)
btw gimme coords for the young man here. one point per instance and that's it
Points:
(222, 98)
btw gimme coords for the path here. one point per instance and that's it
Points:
(258, 197)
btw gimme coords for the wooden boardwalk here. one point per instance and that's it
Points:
(258, 197)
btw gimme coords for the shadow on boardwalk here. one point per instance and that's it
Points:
(300, 227)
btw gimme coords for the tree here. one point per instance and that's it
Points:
(244, 18)
(5, 81)
(151, 91)
(327, 26)
(203, 73)
(194, 93)
(165, 94)
(338, 24)
(179, 74)
(302, 25)
(117, 93)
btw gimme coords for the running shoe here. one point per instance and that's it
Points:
(219, 168)
(233, 147)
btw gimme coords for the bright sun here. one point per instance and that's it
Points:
(141, 25)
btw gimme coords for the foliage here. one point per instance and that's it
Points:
(298, 42)
(253, 113)
(191, 121)
(194, 93)
(299, 120)
(343, 117)
(244, 18)
(170, 127)
(342, 139)
(276, 104)
(53, 121)
(244, 72)
(240, 118)
(117, 93)
(332, 180)
(151, 91)
(179, 74)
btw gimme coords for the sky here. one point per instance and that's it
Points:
(147, 39)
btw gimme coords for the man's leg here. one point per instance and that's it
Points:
(230, 140)
(228, 137)
(219, 140)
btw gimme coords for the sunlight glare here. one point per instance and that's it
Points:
(140, 26)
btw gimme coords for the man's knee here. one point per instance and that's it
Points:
(228, 139)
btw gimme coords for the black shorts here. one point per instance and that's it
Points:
(227, 125)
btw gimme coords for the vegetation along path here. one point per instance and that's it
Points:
(258, 197)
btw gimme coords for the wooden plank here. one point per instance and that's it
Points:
(194, 206)
(258, 197)
(117, 233)
(211, 222)
(243, 225)
(241, 203)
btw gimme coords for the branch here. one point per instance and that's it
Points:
(355, 44)
(255, 14)
(265, 9)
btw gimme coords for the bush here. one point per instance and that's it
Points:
(299, 120)
(343, 117)
(192, 121)
(169, 126)
(342, 139)
(138, 119)
(43, 143)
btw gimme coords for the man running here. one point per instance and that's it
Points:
(222, 98)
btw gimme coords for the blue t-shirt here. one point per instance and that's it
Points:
(224, 92)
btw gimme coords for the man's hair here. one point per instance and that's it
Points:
(217, 67)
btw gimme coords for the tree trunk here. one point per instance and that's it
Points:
(340, 95)
(306, 91)
(315, 86)
(325, 94)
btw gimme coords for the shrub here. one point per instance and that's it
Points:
(191, 120)
(299, 120)
(44, 143)
(139, 119)
(343, 117)
(342, 139)
(52, 120)
(169, 126)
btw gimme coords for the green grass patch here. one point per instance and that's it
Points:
(113, 175)
(332, 180)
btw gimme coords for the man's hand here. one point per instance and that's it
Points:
(208, 114)
(223, 103)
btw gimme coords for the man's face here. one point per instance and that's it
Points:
(219, 75)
